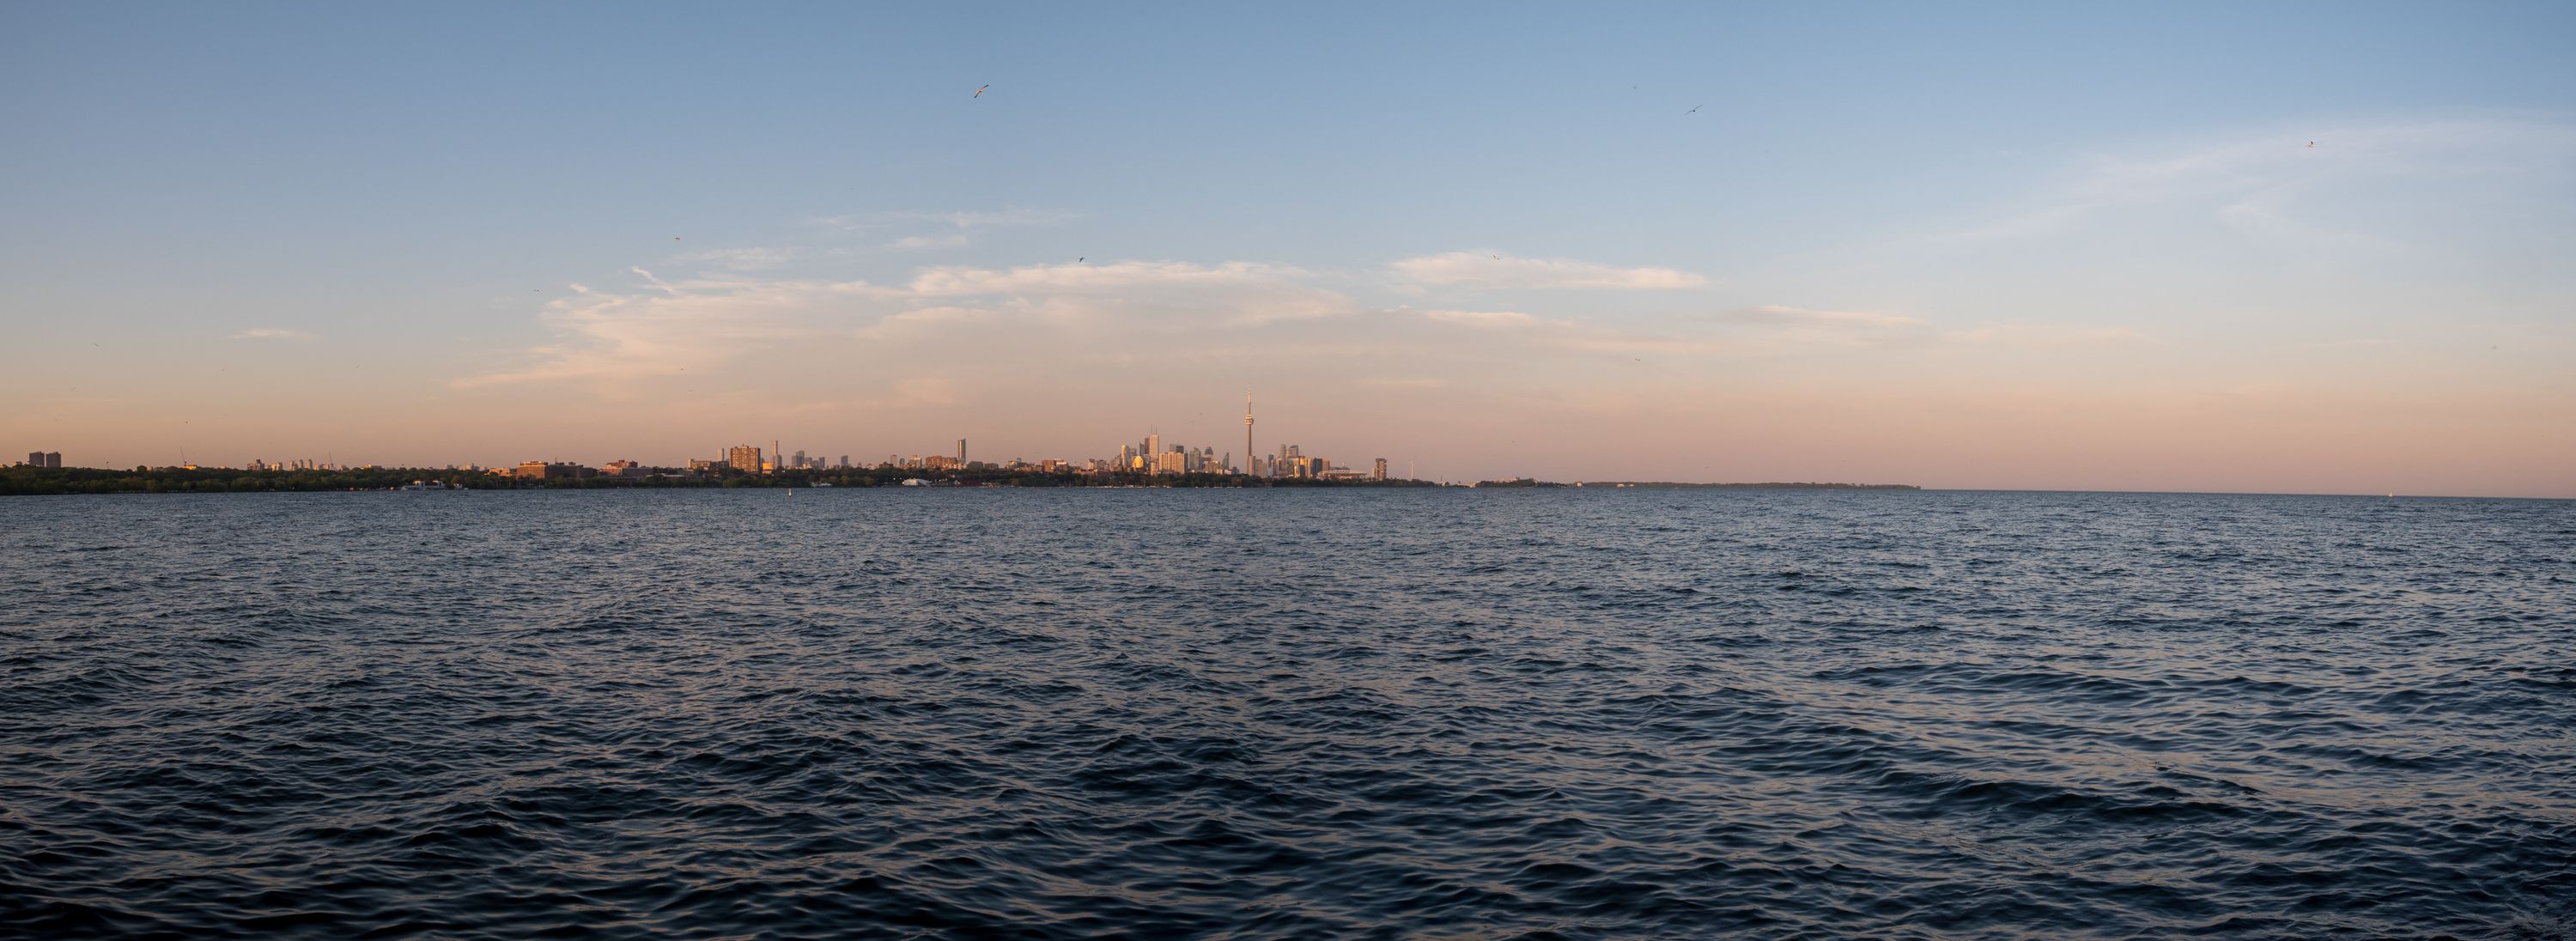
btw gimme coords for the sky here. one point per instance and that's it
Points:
(2069, 246)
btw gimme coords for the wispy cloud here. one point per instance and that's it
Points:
(2035, 336)
(1494, 270)
(272, 333)
(938, 230)
(1779, 315)
(961, 220)
(2257, 183)
(755, 258)
(915, 242)
(655, 282)
(1489, 319)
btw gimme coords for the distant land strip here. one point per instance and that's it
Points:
(23, 480)
(1774, 485)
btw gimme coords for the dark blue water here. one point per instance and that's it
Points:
(1044, 714)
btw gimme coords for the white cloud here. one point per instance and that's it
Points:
(1490, 270)
(612, 339)
(656, 282)
(272, 333)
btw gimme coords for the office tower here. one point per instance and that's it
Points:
(961, 452)
(1247, 425)
(1154, 446)
(800, 460)
(1380, 473)
(777, 455)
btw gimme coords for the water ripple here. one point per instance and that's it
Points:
(1059, 714)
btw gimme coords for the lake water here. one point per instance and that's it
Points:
(1310, 713)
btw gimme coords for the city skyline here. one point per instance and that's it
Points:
(1151, 455)
(2284, 249)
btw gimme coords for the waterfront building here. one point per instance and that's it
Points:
(1380, 472)
(744, 458)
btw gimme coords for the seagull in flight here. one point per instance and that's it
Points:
(2312, 145)
(1079, 260)
(1694, 109)
(979, 91)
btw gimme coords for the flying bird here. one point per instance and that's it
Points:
(2312, 145)
(1079, 260)
(979, 91)
(1694, 109)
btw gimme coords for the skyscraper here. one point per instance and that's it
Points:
(1380, 473)
(961, 452)
(1247, 424)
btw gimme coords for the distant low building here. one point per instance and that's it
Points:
(546, 470)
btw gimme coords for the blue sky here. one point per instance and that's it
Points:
(206, 208)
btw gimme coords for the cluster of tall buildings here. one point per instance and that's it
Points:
(1290, 463)
(750, 459)
(44, 459)
(1150, 455)
(264, 464)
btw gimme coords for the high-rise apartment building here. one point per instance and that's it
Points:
(744, 458)
(53, 459)
(1380, 472)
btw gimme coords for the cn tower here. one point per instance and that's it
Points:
(1247, 431)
